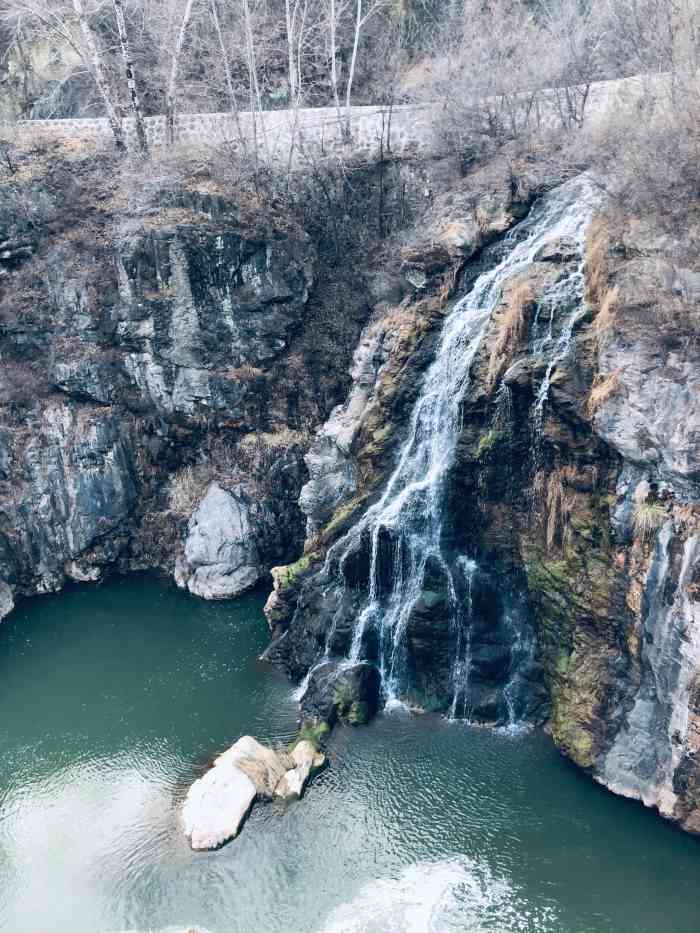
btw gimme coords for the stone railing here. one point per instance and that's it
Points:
(402, 131)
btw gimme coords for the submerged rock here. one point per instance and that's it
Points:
(217, 804)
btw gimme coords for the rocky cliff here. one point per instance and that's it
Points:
(171, 336)
(564, 585)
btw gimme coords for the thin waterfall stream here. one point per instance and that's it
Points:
(409, 512)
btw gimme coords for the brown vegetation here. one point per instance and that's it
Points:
(510, 328)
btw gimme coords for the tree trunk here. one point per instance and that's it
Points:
(172, 83)
(253, 86)
(130, 75)
(290, 12)
(347, 129)
(98, 73)
(227, 71)
(334, 64)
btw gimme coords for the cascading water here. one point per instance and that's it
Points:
(409, 513)
(461, 619)
(567, 291)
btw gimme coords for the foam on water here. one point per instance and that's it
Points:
(438, 897)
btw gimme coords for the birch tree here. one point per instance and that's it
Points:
(225, 62)
(174, 68)
(130, 75)
(94, 56)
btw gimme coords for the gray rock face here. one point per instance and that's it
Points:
(196, 307)
(221, 557)
(653, 415)
(79, 487)
(659, 730)
(330, 460)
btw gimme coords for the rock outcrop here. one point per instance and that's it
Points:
(164, 333)
(221, 556)
(218, 803)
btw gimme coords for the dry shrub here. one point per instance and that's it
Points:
(560, 504)
(186, 489)
(510, 329)
(555, 503)
(648, 517)
(604, 387)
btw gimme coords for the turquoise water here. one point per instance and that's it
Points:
(114, 698)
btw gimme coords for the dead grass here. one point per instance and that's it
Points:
(605, 318)
(648, 517)
(510, 329)
(602, 390)
(597, 270)
(186, 489)
(554, 502)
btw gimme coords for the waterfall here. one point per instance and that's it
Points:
(566, 291)
(409, 513)
(461, 620)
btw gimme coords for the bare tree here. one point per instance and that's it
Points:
(233, 100)
(174, 68)
(130, 75)
(95, 57)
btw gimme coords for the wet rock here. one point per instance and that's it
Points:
(221, 556)
(339, 693)
(563, 249)
(307, 761)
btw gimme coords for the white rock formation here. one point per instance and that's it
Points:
(217, 804)
(221, 556)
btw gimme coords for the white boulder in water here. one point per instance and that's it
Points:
(217, 804)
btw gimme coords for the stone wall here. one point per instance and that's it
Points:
(406, 131)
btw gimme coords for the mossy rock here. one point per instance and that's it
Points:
(314, 731)
(287, 575)
(341, 519)
(488, 443)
